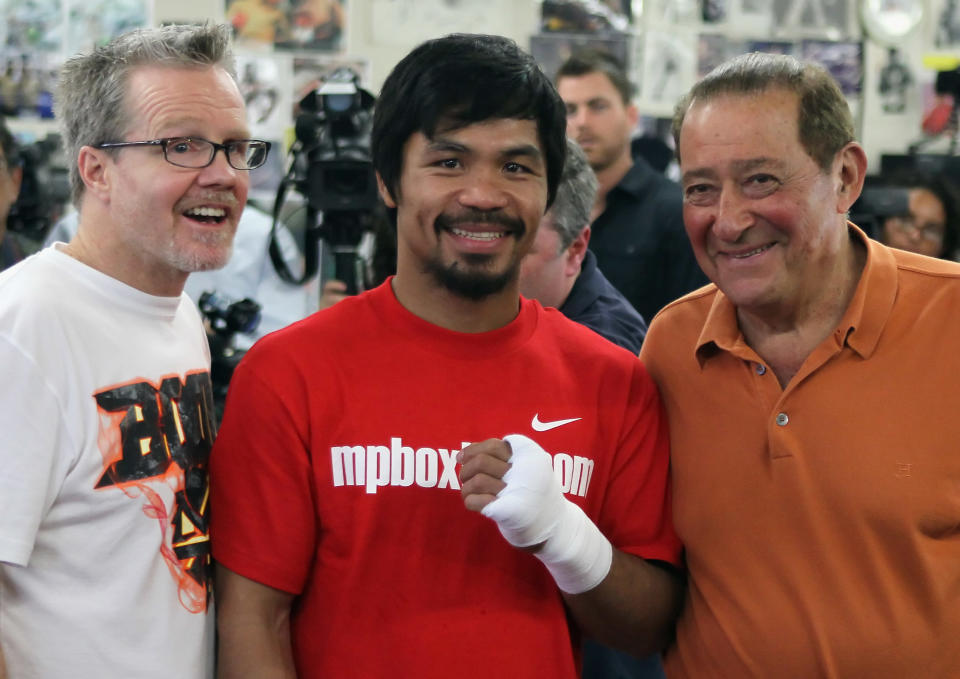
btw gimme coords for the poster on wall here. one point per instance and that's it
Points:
(947, 24)
(669, 67)
(686, 12)
(829, 18)
(585, 16)
(751, 17)
(406, 23)
(298, 24)
(266, 85)
(27, 81)
(713, 11)
(552, 49)
(94, 22)
(895, 84)
(844, 61)
(267, 90)
(32, 51)
(772, 47)
(33, 26)
(713, 49)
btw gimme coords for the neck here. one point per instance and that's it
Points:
(607, 178)
(440, 306)
(567, 289)
(100, 251)
(785, 335)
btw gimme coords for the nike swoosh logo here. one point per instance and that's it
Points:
(547, 426)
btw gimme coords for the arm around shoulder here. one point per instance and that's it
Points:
(253, 624)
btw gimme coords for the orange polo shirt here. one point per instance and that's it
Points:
(821, 521)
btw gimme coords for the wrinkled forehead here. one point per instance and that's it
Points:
(729, 117)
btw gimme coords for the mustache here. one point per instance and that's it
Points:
(469, 216)
(203, 197)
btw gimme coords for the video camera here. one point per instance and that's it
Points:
(333, 169)
(333, 129)
(44, 190)
(225, 318)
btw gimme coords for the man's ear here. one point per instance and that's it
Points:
(851, 174)
(92, 166)
(575, 253)
(16, 176)
(385, 193)
(633, 115)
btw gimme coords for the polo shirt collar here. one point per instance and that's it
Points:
(637, 179)
(585, 290)
(859, 328)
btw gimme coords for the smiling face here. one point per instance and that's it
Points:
(766, 223)
(468, 204)
(168, 220)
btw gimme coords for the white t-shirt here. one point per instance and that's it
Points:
(107, 422)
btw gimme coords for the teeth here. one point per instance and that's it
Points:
(481, 235)
(752, 252)
(207, 212)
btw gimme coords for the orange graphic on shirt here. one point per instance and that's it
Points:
(163, 435)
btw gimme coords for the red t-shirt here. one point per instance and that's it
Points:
(334, 478)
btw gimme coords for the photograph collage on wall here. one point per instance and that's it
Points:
(37, 36)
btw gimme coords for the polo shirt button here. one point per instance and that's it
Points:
(761, 369)
(782, 419)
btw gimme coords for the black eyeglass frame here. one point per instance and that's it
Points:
(163, 143)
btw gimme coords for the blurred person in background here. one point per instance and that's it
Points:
(11, 174)
(930, 225)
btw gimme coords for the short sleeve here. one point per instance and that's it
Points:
(263, 521)
(636, 514)
(33, 461)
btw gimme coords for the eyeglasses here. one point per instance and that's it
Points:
(931, 231)
(195, 153)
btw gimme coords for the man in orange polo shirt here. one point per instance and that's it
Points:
(812, 397)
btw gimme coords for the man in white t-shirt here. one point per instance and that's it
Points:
(106, 403)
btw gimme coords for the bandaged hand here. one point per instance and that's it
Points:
(530, 509)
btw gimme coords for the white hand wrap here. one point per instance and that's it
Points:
(532, 509)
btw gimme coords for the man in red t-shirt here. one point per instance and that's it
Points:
(344, 472)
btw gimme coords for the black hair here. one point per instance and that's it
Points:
(459, 80)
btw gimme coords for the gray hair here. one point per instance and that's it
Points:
(823, 116)
(575, 196)
(90, 96)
